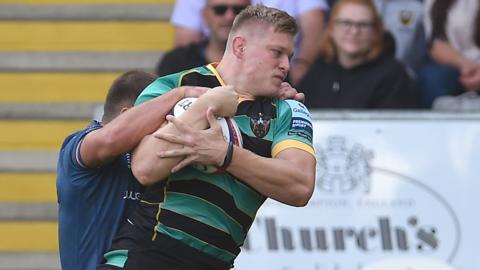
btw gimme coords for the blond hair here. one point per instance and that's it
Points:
(278, 19)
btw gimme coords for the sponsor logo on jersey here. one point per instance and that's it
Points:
(301, 124)
(260, 124)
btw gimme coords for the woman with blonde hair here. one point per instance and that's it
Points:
(356, 68)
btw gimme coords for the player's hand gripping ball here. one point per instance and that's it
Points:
(230, 130)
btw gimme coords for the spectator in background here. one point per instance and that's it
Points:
(218, 15)
(404, 20)
(354, 71)
(453, 31)
(95, 186)
(308, 13)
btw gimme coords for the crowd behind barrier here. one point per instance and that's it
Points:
(435, 70)
(405, 22)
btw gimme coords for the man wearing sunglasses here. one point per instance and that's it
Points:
(221, 9)
(218, 15)
(191, 27)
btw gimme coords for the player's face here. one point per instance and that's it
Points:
(219, 16)
(267, 61)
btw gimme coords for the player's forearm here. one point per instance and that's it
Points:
(124, 132)
(127, 130)
(147, 166)
(289, 182)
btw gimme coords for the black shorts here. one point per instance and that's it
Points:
(166, 253)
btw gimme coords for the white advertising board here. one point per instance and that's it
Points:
(386, 190)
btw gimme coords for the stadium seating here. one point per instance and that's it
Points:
(57, 60)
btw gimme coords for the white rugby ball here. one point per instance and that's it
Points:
(230, 130)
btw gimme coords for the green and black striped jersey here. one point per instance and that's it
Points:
(213, 212)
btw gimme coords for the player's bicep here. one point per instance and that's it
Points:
(299, 158)
(95, 150)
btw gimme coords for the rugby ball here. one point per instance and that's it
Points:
(230, 130)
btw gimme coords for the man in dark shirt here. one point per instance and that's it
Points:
(95, 186)
(219, 15)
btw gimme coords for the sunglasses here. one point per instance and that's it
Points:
(220, 10)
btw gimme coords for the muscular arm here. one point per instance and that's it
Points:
(288, 178)
(147, 167)
(124, 132)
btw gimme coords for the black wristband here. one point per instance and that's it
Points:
(228, 157)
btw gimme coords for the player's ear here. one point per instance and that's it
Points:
(238, 46)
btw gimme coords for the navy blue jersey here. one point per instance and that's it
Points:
(92, 203)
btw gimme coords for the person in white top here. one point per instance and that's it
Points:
(190, 27)
(458, 31)
(453, 29)
(404, 20)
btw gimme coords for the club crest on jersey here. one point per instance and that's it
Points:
(260, 124)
